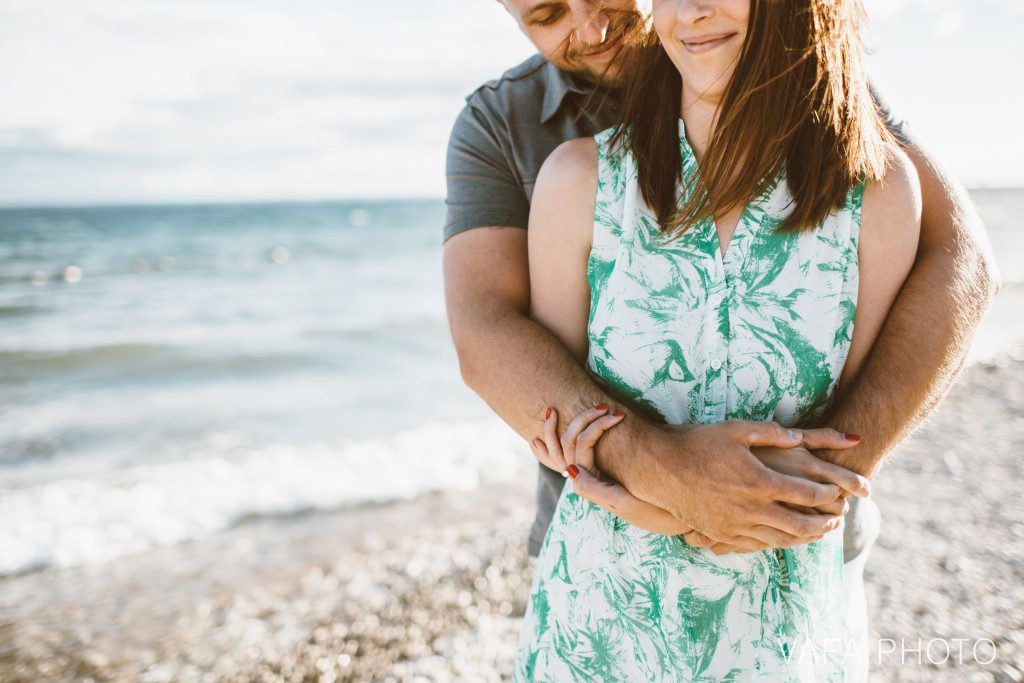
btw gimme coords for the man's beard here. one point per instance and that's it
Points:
(627, 25)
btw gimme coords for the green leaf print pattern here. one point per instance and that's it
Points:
(761, 334)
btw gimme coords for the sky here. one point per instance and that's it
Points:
(166, 101)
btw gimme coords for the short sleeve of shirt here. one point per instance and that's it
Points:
(483, 189)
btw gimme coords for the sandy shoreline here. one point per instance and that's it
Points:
(434, 589)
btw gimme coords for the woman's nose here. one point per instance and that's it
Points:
(691, 11)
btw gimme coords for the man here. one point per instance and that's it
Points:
(705, 475)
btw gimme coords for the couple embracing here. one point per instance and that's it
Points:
(726, 279)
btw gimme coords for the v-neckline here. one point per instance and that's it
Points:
(726, 254)
(722, 253)
(723, 249)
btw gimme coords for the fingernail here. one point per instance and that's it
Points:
(603, 406)
(547, 414)
(535, 443)
(573, 471)
(793, 434)
(619, 414)
(853, 437)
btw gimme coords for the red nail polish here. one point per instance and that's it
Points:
(853, 437)
(547, 415)
(618, 414)
(573, 471)
(603, 406)
(535, 443)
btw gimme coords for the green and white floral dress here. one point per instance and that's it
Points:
(759, 335)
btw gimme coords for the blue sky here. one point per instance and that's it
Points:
(111, 101)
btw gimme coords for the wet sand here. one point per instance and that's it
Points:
(434, 589)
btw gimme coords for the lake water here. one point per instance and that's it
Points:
(166, 372)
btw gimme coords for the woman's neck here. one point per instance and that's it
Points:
(699, 112)
(700, 116)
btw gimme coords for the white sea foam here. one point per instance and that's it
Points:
(87, 520)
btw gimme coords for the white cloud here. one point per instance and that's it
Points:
(214, 99)
(950, 23)
(166, 100)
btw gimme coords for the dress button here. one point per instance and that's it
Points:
(716, 301)
(716, 364)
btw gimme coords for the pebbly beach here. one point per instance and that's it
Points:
(434, 588)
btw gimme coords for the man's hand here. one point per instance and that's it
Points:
(576, 447)
(708, 478)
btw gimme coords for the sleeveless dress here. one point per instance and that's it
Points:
(676, 329)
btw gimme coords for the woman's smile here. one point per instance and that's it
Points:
(706, 42)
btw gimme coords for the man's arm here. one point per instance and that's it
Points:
(928, 332)
(513, 363)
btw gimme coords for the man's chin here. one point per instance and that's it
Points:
(606, 73)
(614, 77)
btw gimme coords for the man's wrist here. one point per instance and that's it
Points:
(630, 457)
(865, 458)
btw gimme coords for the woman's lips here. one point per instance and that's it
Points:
(706, 43)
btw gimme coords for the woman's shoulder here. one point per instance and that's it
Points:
(566, 191)
(567, 182)
(894, 199)
(890, 222)
(571, 162)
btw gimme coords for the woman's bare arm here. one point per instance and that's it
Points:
(890, 227)
(561, 230)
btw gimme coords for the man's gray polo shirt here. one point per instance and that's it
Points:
(507, 129)
(501, 138)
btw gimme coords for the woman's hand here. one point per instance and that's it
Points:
(573, 454)
(800, 462)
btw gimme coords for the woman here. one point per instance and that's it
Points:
(730, 252)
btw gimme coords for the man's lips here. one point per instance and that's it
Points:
(706, 43)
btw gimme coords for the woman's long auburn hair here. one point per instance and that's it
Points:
(798, 98)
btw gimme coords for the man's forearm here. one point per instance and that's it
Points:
(928, 332)
(517, 366)
(520, 370)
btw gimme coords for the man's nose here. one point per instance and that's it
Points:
(592, 25)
